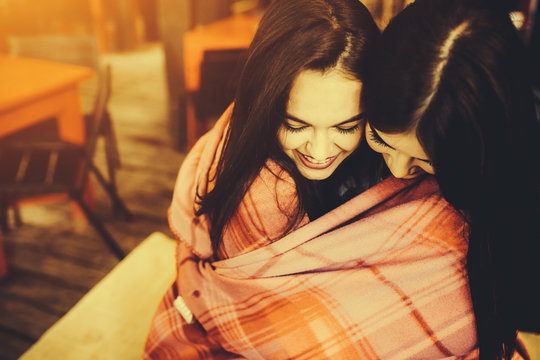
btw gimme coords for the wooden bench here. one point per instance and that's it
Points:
(112, 320)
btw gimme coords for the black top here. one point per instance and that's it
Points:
(357, 173)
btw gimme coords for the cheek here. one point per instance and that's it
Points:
(289, 140)
(348, 142)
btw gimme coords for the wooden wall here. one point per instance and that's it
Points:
(121, 25)
(30, 17)
(118, 25)
(175, 18)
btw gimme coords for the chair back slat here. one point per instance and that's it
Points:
(77, 50)
(51, 168)
(23, 166)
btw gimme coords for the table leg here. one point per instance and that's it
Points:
(70, 118)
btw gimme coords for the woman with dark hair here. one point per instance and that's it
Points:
(447, 94)
(285, 152)
(262, 271)
(296, 109)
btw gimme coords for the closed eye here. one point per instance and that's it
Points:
(348, 130)
(373, 136)
(294, 128)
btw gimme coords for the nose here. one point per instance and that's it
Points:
(400, 165)
(320, 146)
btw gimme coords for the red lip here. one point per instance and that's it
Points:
(315, 166)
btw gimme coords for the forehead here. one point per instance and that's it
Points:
(321, 98)
(406, 143)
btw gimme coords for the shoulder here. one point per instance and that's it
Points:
(438, 219)
(418, 208)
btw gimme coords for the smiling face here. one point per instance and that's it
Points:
(402, 153)
(323, 124)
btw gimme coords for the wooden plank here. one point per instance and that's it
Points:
(48, 293)
(174, 22)
(71, 271)
(125, 30)
(12, 345)
(206, 12)
(148, 11)
(20, 317)
(89, 250)
(99, 24)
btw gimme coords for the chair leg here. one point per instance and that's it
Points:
(98, 225)
(8, 203)
(4, 207)
(118, 204)
(17, 214)
(111, 145)
(113, 163)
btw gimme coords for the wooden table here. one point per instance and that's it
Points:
(230, 33)
(34, 90)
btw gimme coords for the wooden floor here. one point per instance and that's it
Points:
(56, 256)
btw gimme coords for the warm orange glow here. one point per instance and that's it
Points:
(37, 90)
(232, 32)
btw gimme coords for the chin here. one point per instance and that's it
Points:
(317, 174)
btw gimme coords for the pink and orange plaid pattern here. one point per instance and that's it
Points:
(381, 277)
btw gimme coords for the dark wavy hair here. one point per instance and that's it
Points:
(292, 36)
(454, 71)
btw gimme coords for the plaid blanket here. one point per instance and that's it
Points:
(380, 277)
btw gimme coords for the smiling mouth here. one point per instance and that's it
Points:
(309, 162)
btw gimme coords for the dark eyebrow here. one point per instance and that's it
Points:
(377, 136)
(352, 119)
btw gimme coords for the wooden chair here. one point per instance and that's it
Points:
(78, 50)
(38, 167)
(219, 72)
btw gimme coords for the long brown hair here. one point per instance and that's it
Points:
(292, 36)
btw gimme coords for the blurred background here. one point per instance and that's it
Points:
(146, 79)
(127, 25)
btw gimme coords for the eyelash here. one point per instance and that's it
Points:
(341, 130)
(376, 139)
(294, 129)
(350, 130)
(373, 136)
